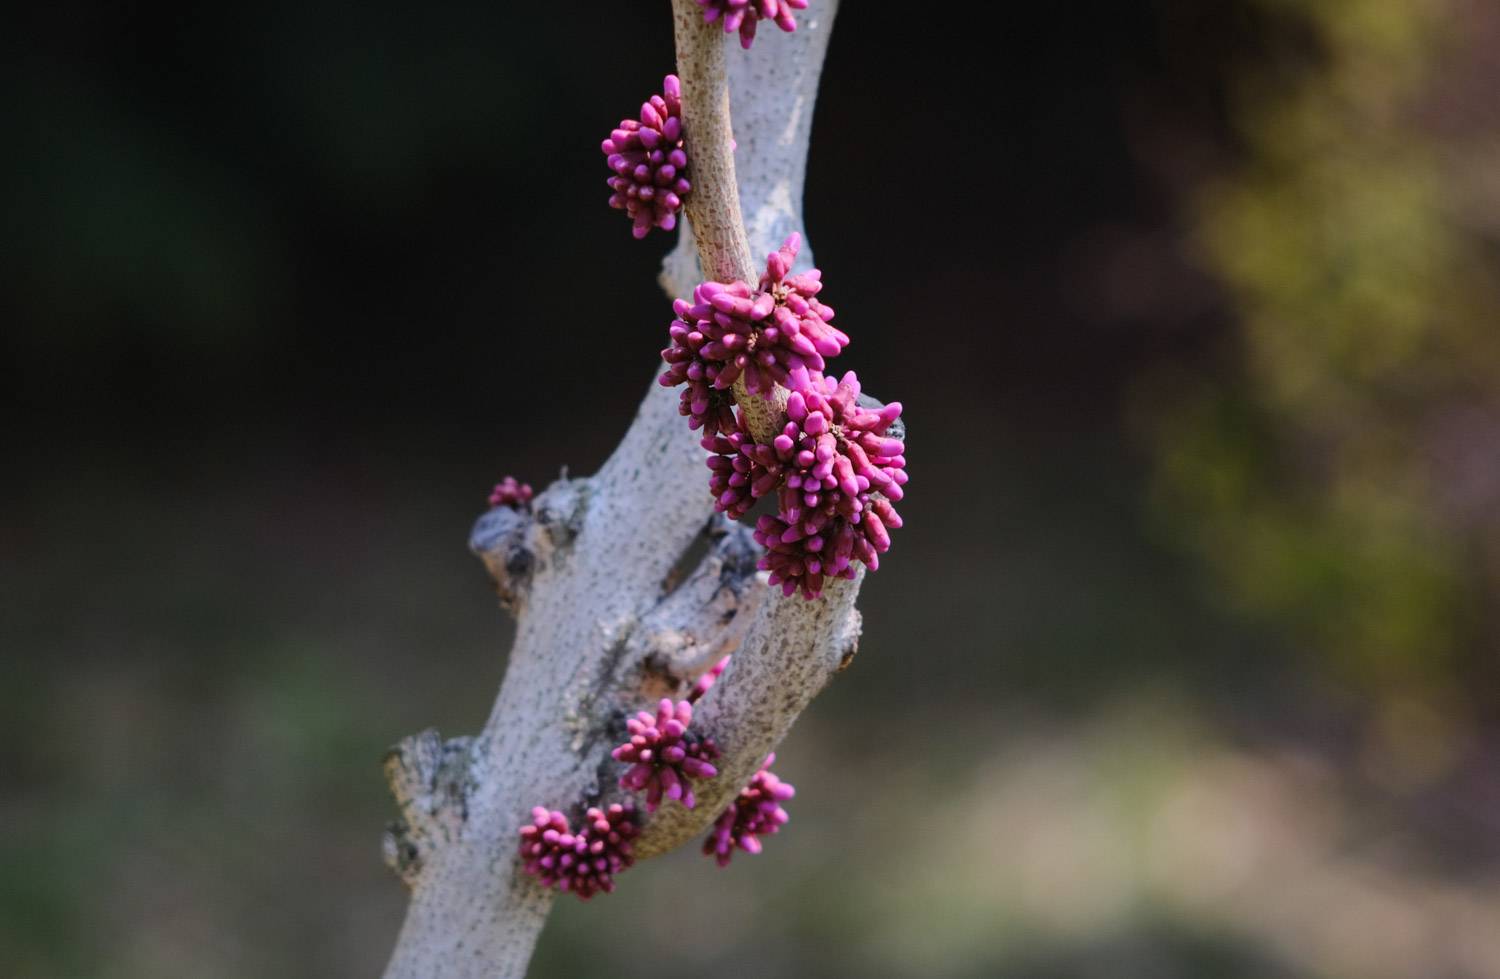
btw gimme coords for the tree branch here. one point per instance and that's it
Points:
(607, 620)
(713, 207)
(768, 99)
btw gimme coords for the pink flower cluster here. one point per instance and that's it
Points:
(650, 163)
(834, 468)
(838, 474)
(756, 812)
(584, 862)
(510, 493)
(743, 15)
(664, 760)
(764, 335)
(732, 467)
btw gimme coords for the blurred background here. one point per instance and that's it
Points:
(1184, 665)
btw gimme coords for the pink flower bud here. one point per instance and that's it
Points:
(585, 862)
(649, 161)
(664, 760)
(510, 493)
(744, 15)
(756, 812)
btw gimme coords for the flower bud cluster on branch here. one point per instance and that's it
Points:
(584, 862)
(833, 467)
(650, 163)
(730, 331)
(510, 493)
(756, 812)
(665, 759)
(744, 15)
(839, 473)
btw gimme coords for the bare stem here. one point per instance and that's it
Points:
(713, 205)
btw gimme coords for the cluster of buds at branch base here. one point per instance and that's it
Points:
(509, 492)
(583, 863)
(743, 15)
(756, 812)
(664, 759)
(764, 334)
(650, 163)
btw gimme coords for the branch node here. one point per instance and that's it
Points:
(499, 539)
(559, 514)
(430, 779)
(515, 543)
(703, 619)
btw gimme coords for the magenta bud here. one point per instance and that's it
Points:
(664, 758)
(647, 153)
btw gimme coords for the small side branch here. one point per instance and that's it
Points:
(705, 618)
(515, 542)
(775, 86)
(713, 207)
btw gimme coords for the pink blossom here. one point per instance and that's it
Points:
(756, 812)
(510, 493)
(743, 15)
(731, 469)
(664, 760)
(650, 162)
(706, 403)
(584, 862)
(837, 472)
(798, 313)
(764, 335)
(720, 335)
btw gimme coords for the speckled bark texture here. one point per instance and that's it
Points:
(610, 615)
